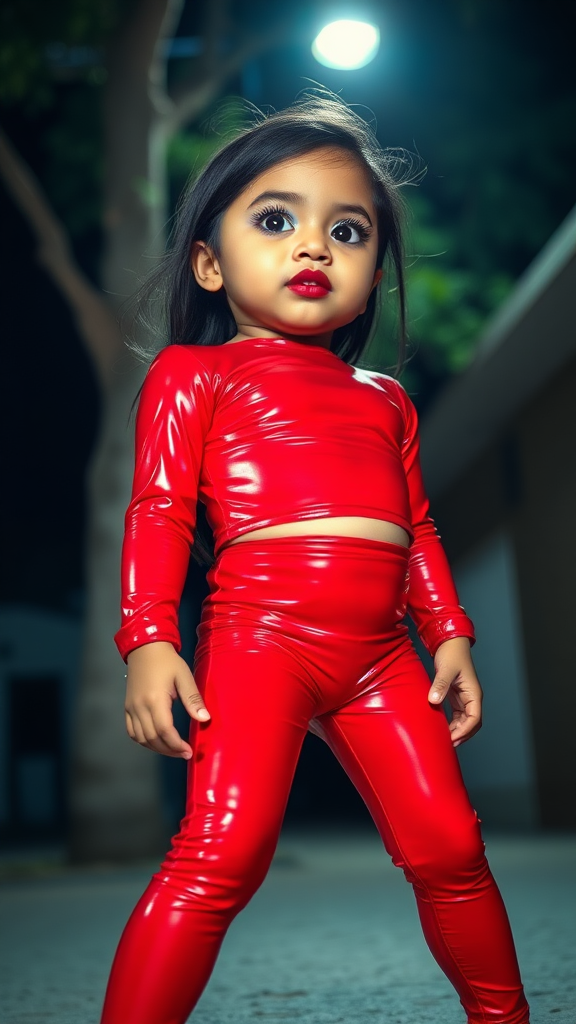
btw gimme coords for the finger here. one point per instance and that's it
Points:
(129, 726)
(162, 735)
(191, 698)
(464, 725)
(142, 730)
(439, 689)
(138, 736)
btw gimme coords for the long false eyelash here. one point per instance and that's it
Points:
(363, 230)
(268, 211)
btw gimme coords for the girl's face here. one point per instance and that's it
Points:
(314, 213)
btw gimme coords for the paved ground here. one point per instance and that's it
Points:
(331, 937)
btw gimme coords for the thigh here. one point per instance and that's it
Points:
(396, 748)
(245, 756)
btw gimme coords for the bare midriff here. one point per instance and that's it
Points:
(345, 526)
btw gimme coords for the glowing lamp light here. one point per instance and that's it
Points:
(346, 44)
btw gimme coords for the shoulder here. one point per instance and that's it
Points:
(186, 368)
(399, 398)
(389, 385)
(179, 378)
(178, 360)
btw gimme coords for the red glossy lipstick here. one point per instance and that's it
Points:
(312, 284)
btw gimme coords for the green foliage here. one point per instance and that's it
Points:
(22, 68)
(29, 27)
(449, 301)
(52, 69)
(189, 151)
(73, 150)
(449, 298)
(509, 180)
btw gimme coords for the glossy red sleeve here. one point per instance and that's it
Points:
(433, 601)
(173, 417)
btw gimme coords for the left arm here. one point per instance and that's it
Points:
(433, 603)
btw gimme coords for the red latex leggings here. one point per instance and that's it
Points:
(298, 633)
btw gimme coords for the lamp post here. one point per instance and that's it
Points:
(346, 44)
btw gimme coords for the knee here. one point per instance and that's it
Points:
(450, 858)
(218, 866)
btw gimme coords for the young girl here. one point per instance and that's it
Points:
(308, 469)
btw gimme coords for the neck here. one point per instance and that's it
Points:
(253, 331)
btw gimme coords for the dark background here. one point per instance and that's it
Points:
(482, 93)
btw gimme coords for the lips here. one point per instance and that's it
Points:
(312, 284)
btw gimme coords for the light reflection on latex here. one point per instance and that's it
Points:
(377, 701)
(215, 768)
(248, 478)
(417, 770)
(161, 479)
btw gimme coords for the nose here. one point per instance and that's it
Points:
(313, 245)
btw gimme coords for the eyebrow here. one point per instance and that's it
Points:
(295, 197)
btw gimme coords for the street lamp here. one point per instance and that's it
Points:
(346, 44)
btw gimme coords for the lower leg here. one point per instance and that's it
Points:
(468, 933)
(164, 959)
(396, 748)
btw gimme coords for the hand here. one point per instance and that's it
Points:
(156, 676)
(456, 679)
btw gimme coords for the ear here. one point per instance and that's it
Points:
(378, 275)
(205, 267)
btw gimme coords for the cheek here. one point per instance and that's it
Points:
(363, 278)
(360, 281)
(249, 266)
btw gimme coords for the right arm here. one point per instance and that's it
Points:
(172, 421)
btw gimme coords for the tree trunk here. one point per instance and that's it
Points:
(116, 807)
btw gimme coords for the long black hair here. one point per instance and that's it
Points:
(191, 315)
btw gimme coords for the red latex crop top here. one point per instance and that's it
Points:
(267, 431)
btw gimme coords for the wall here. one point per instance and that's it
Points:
(498, 763)
(544, 532)
(525, 484)
(39, 661)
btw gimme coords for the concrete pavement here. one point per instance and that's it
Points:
(332, 936)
